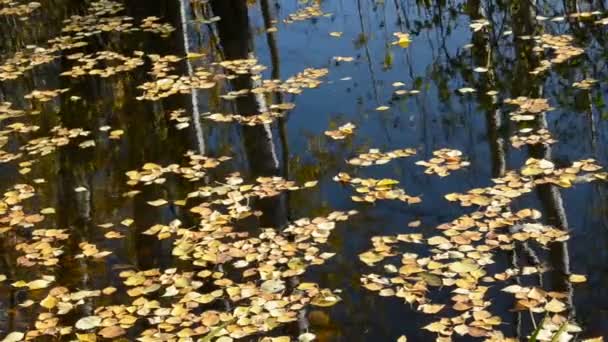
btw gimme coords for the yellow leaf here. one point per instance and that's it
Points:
(47, 211)
(451, 197)
(403, 39)
(158, 202)
(325, 299)
(89, 322)
(437, 240)
(577, 278)
(310, 184)
(370, 258)
(414, 224)
(435, 327)
(387, 182)
(464, 266)
(49, 302)
(193, 55)
(19, 283)
(431, 308)
(555, 306)
(86, 337)
(38, 284)
(14, 337)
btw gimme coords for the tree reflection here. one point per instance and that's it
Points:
(259, 141)
(506, 48)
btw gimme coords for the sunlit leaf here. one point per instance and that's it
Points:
(89, 322)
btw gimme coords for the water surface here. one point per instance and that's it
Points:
(87, 186)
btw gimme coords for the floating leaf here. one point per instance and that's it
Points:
(111, 332)
(15, 336)
(273, 286)
(306, 337)
(555, 306)
(325, 299)
(403, 39)
(577, 278)
(157, 203)
(89, 322)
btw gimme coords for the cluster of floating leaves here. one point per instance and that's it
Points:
(242, 66)
(545, 172)
(444, 162)
(257, 292)
(461, 255)
(100, 17)
(20, 127)
(375, 157)
(561, 48)
(578, 15)
(534, 172)
(305, 13)
(262, 298)
(114, 134)
(152, 24)
(25, 60)
(162, 65)
(236, 196)
(61, 136)
(45, 247)
(197, 168)
(529, 136)
(18, 9)
(7, 112)
(167, 84)
(179, 117)
(371, 190)
(114, 62)
(276, 111)
(457, 261)
(45, 95)
(5, 156)
(90, 250)
(174, 84)
(307, 79)
(12, 211)
(587, 83)
(342, 132)
(248, 120)
(528, 108)
(506, 188)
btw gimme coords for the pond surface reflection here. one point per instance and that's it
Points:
(273, 170)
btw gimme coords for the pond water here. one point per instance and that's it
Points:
(123, 215)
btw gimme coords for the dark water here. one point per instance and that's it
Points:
(440, 60)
